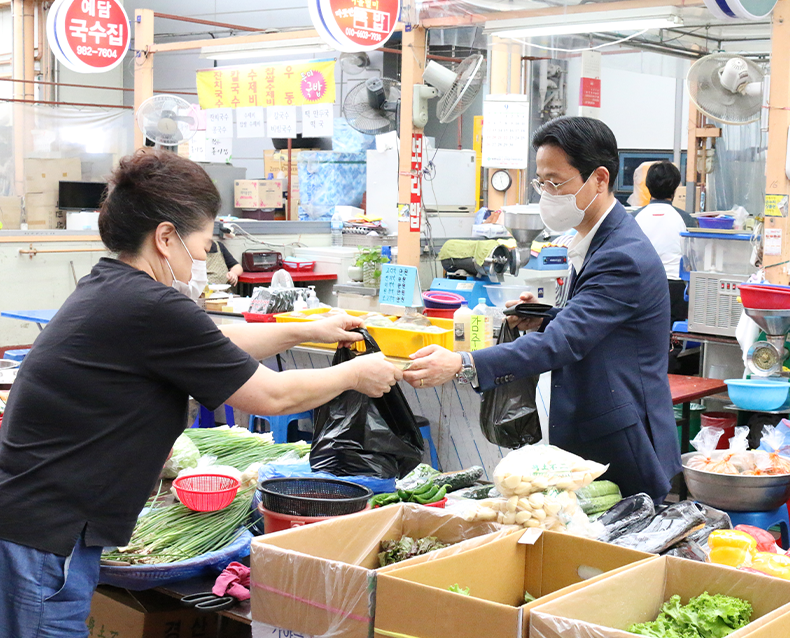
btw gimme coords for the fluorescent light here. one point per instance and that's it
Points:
(581, 23)
(274, 48)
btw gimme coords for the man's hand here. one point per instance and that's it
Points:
(232, 278)
(526, 325)
(432, 366)
(335, 329)
(375, 375)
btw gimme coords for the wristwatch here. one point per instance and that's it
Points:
(468, 373)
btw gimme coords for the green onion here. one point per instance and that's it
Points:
(241, 449)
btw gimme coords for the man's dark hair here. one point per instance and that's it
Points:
(151, 187)
(588, 143)
(663, 179)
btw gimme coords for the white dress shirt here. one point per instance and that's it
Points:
(581, 243)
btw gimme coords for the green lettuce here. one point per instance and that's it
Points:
(185, 455)
(705, 616)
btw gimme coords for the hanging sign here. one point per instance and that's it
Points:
(250, 121)
(590, 89)
(276, 84)
(317, 121)
(415, 206)
(281, 121)
(219, 123)
(355, 25)
(506, 142)
(88, 36)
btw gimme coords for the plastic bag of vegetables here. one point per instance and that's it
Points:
(705, 443)
(184, 456)
(535, 468)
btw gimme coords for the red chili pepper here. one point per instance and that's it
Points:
(765, 540)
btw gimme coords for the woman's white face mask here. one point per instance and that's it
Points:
(198, 279)
(560, 213)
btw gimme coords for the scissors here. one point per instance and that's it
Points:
(208, 602)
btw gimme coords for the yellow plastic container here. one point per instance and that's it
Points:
(394, 342)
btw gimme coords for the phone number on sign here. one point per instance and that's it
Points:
(102, 53)
(364, 35)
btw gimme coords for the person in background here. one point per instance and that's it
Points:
(103, 394)
(663, 223)
(607, 348)
(662, 183)
(221, 266)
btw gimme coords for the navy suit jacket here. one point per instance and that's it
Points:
(607, 350)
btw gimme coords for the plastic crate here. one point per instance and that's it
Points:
(257, 317)
(299, 265)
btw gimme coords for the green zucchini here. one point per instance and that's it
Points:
(460, 479)
(598, 488)
(599, 504)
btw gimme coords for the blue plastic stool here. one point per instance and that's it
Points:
(16, 355)
(425, 430)
(280, 426)
(205, 418)
(764, 520)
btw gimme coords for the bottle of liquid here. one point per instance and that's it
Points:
(300, 304)
(312, 298)
(336, 226)
(482, 335)
(462, 325)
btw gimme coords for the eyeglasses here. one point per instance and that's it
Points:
(540, 186)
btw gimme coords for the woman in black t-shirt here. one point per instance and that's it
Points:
(103, 394)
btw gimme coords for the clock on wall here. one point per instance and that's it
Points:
(501, 181)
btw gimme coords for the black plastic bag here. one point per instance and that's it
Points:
(355, 435)
(508, 413)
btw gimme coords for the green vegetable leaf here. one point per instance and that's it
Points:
(528, 598)
(457, 589)
(704, 616)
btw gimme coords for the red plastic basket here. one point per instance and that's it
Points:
(299, 266)
(439, 504)
(256, 317)
(206, 492)
(438, 314)
(765, 296)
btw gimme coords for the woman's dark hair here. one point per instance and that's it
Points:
(663, 179)
(588, 143)
(151, 187)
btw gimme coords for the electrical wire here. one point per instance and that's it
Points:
(252, 238)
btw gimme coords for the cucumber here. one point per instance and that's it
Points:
(599, 504)
(460, 479)
(598, 488)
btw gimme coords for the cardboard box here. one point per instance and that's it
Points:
(43, 175)
(39, 200)
(145, 614)
(45, 217)
(321, 578)
(258, 193)
(10, 212)
(594, 613)
(548, 565)
(276, 161)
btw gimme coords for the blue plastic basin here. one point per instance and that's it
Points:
(758, 394)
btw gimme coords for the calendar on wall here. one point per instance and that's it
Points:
(506, 140)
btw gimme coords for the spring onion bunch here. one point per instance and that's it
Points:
(174, 532)
(239, 448)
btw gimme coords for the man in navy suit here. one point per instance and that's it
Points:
(607, 348)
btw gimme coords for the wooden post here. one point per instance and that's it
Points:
(691, 159)
(143, 64)
(412, 67)
(18, 73)
(778, 122)
(505, 79)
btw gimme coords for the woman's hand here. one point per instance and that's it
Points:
(526, 325)
(233, 279)
(432, 366)
(335, 329)
(375, 375)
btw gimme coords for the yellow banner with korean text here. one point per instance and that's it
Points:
(277, 84)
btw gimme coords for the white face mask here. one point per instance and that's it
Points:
(560, 213)
(198, 279)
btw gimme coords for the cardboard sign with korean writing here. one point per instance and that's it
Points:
(357, 25)
(219, 150)
(197, 147)
(281, 121)
(317, 121)
(272, 84)
(250, 122)
(219, 123)
(400, 286)
(88, 36)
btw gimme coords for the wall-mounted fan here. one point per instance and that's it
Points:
(372, 106)
(354, 63)
(166, 120)
(727, 88)
(457, 89)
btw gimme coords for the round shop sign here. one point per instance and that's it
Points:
(740, 9)
(356, 25)
(88, 36)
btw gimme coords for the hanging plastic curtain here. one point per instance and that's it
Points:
(738, 177)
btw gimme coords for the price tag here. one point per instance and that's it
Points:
(317, 121)
(219, 123)
(219, 150)
(250, 122)
(281, 121)
(400, 286)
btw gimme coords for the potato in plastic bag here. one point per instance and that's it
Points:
(535, 468)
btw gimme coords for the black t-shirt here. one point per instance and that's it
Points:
(98, 403)
(230, 260)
